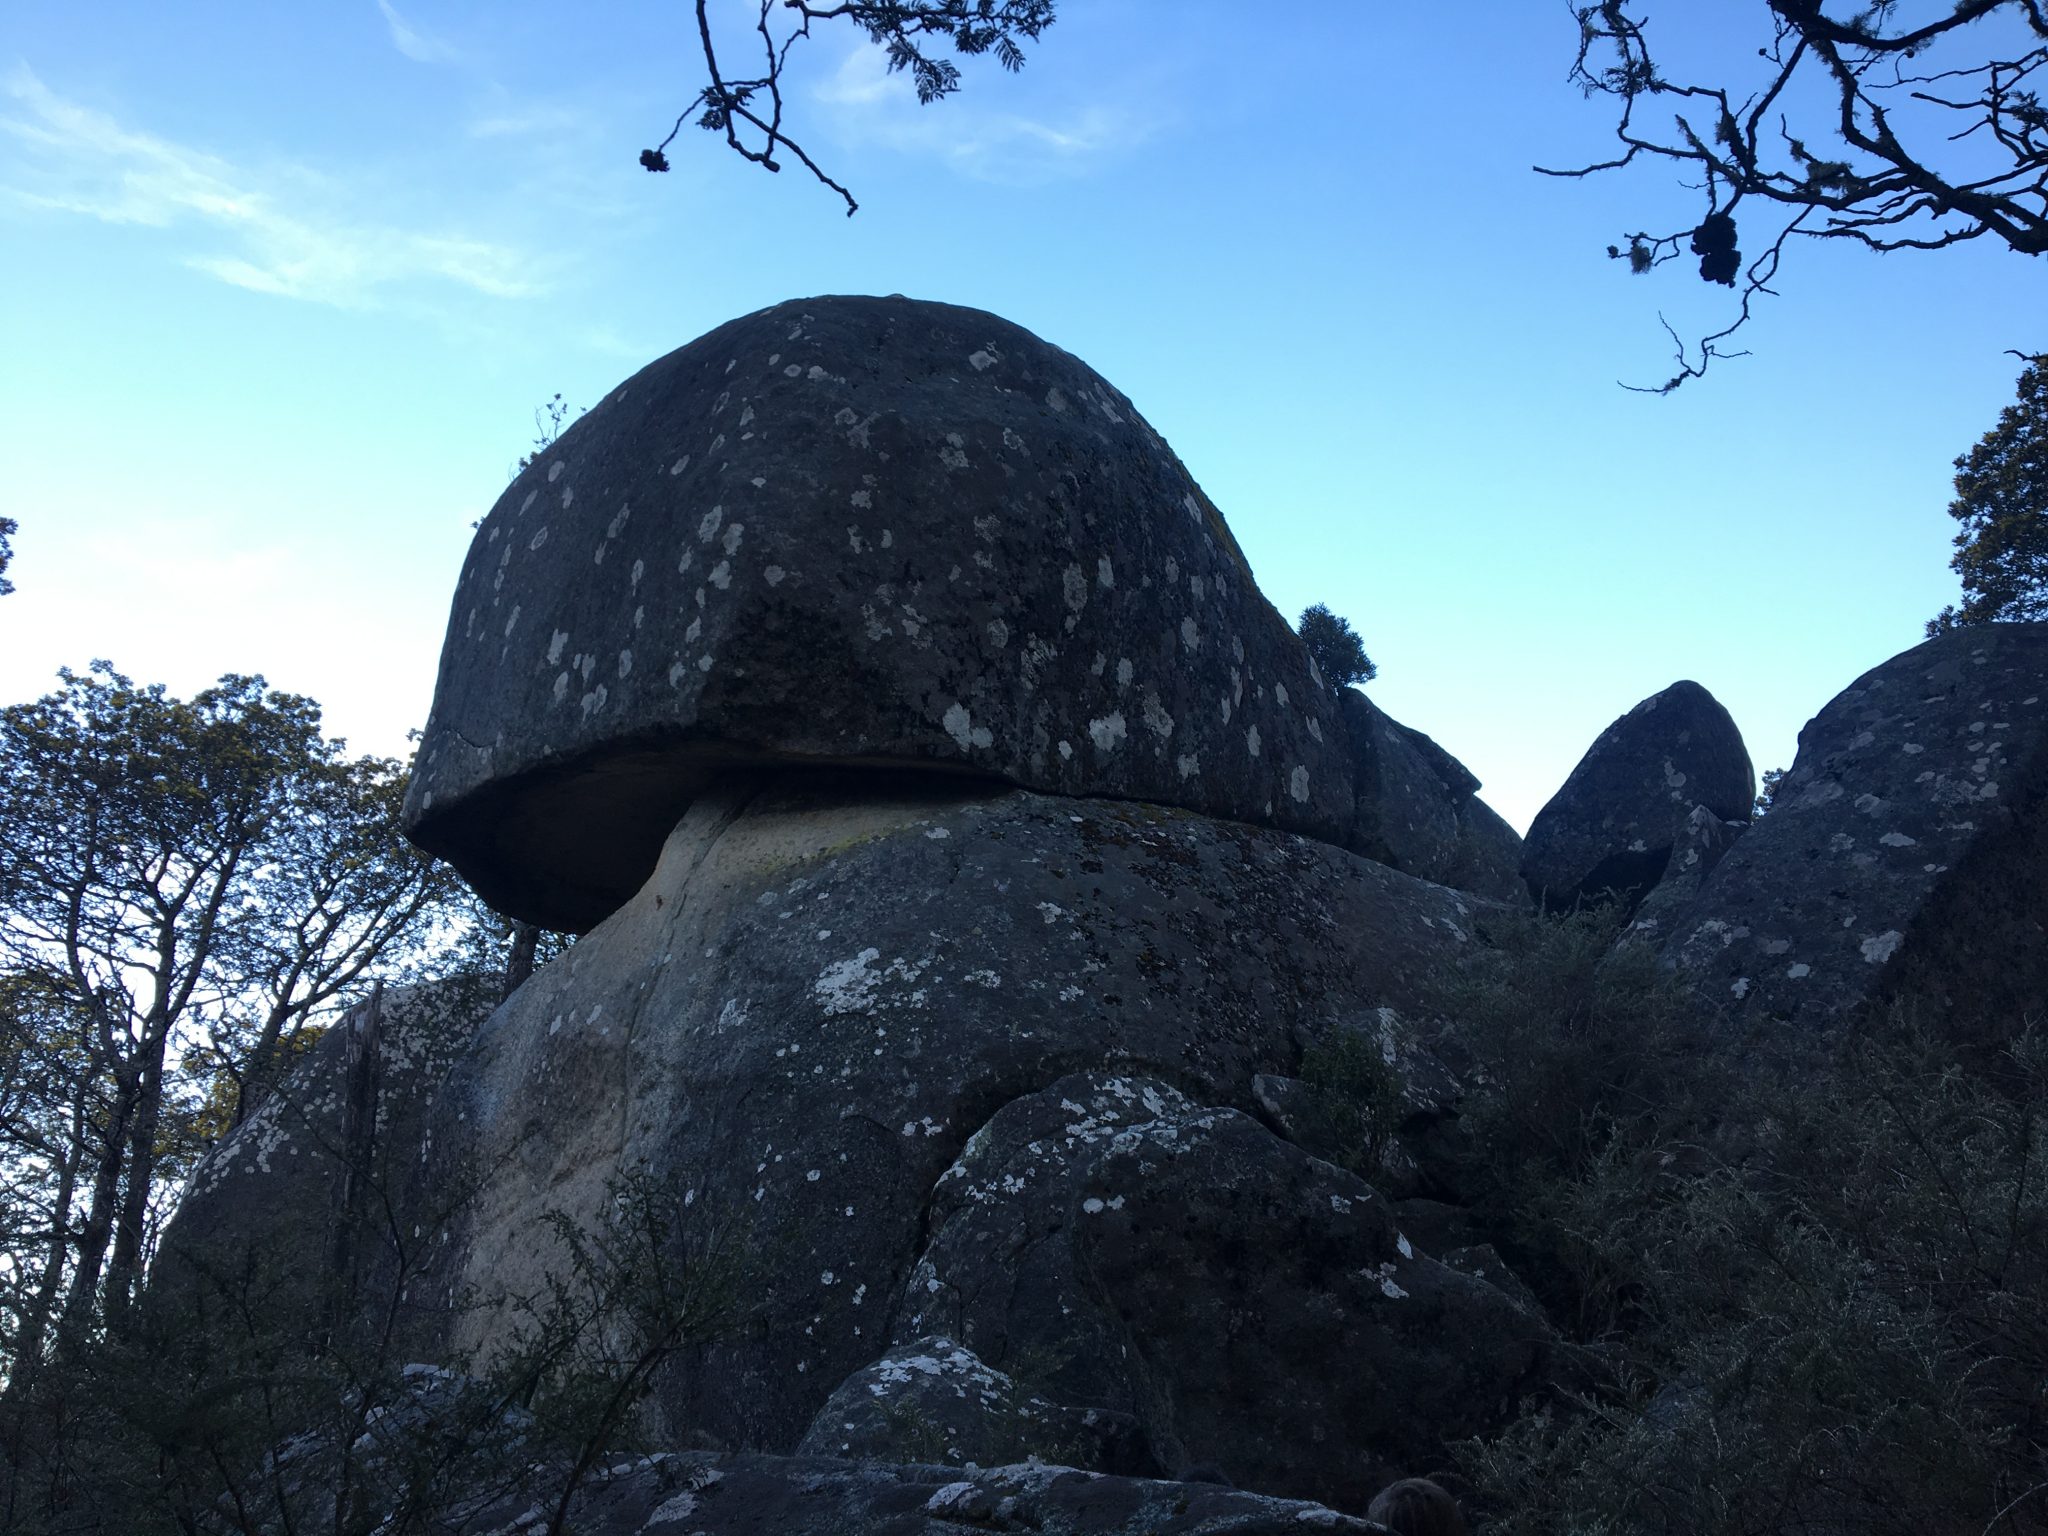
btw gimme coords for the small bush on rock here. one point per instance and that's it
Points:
(1335, 648)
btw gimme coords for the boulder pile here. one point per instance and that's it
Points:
(966, 855)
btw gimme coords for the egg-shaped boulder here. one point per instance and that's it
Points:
(854, 531)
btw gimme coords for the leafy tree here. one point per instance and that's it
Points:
(1767, 791)
(1890, 131)
(1334, 647)
(749, 111)
(185, 887)
(8, 528)
(2002, 503)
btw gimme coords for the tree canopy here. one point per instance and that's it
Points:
(8, 527)
(916, 34)
(185, 887)
(1335, 647)
(1890, 126)
(2002, 504)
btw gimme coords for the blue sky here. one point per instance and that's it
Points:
(284, 285)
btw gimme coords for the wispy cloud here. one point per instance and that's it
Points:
(870, 103)
(412, 42)
(284, 236)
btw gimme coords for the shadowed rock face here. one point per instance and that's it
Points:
(852, 531)
(1610, 830)
(824, 991)
(1904, 851)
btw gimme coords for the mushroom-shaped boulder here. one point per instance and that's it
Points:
(1609, 832)
(852, 531)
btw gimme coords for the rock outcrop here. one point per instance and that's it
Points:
(1418, 809)
(1904, 850)
(830, 985)
(281, 1216)
(852, 530)
(1184, 1266)
(1608, 833)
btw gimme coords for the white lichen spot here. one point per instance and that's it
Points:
(721, 575)
(1123, 672)
(514, 619)
(1799, 971)
(1157, 720)
(959, 725)
(1315, 727)
(536, 541)
(680, 465)
(1066, 750)
(1881, 948)
(1297, 784)
(864, 500)
(561, 686)
(1076, 586)
(1188, 765)
(983, 357)
(568, 495)
(773, 575)
(1897, 840)
(1105, 573)
(625, 663)
(731, 542)
(1191, 637)
(707, 525)
(1055, 399)
(1108, 732)
(555, 471)
(1251, 741)
(848, 986)
(998, 634)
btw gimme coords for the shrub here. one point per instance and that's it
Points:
(1335, 649)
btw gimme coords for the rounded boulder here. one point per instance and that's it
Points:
(852, 531)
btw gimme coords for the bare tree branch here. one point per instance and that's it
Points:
(1837, 132)
(903, 28)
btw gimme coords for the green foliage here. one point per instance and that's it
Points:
(1352, 1100)
(213, 1415)
(2002, 503)
(1812, 1288)
(1767, 791)
(8, 528)
(185, 887)
(1334, 647)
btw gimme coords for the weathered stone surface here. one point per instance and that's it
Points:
(1904, 852)
(934, 1401)
(704, 1494)
(266, 1214)
(830, 983)
(1610, 830)
(1417, 808)
(1702, 843)
(1181, 1264)
(852, 530)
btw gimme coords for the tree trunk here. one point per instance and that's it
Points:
(124, 1269)
(519, 962)
(79, 1302)
(35, 1318)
